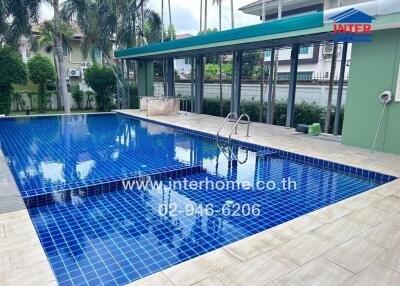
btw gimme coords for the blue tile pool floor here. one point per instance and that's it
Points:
(117, 237)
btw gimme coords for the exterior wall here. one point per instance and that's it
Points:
(74, 60)
(374, 69)
(329, 4)
(321, 68)
(251, 92)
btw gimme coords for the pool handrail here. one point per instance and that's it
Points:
(226, 118)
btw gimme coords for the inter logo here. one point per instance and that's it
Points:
(352, 26)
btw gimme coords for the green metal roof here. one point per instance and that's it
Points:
(236, 36)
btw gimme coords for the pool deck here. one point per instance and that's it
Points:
(353, 242)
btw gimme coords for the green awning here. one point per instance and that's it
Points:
(248, 34)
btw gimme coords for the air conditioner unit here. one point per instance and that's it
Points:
(86, 65)
(74, 73)
(328, 49)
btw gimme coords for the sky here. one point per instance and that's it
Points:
(186, 14)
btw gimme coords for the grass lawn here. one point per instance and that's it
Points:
(49, 112)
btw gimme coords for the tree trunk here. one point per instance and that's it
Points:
(205, 17)
(201, 15)
(232, 16)
(330, 94)
(221, 108)
(60, 58)
(58, 88)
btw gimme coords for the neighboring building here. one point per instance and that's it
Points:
(314, 60)
(183, 66)
(74, 61)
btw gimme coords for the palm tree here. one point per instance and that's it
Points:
(232, 16)
(205, 16)
(331, 83)
(16, 19)
(47, 39)
(201, 16)
(60, 57)
(221, 111)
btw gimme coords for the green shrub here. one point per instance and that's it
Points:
(77, 95)
(12, 71)
(42, 73)
(306, 113)
(104, 83)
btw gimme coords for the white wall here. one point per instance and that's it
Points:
(251, 92)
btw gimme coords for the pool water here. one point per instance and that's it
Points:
(116, 237)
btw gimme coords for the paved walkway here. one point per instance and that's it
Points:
(353, 242)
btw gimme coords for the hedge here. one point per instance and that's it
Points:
(304, 112)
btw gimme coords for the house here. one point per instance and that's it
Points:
(183, 66)
(314, 60)
(74, 61)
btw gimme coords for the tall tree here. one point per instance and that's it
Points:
(221, 111)
(60, 57)
(232, 16)
(205, 16)
(170, 20)
(201, 16)
(331, 83)
(16, 19)
(47, 40)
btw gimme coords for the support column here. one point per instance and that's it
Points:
(192, 87)
(294, 62)
(128, 87)
(170, 78)
(270, 86)
(145, 78)
(199, 84)
(236, 81)
(340, 89)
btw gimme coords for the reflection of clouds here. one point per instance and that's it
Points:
(182, 154)
(115, 155)
(83, 168)
(126, 135)
(52, 171)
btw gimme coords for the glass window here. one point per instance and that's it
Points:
(65, 49)
(97, 53)
(303, 50)
(267, 53)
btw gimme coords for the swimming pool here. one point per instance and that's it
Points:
(96, 233)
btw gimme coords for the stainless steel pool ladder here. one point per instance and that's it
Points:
(234, 129)
(231, 155)
(225, 120)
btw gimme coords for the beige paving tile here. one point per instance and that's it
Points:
(395, 220)
(375, 274)
(319, 271)
(5, 263)
(390, 202)
(259, 270)
(330, 213)
(297, 227)
(303, 249)
(212, 281)
(391, 258)
(158, 279)
(392, 188)
(21, 258)
(372, 215)
(342, 229)
(41, 274)
(385, 234)
(255, 244)
(355, 254)
(201, 267)
(359, 202)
